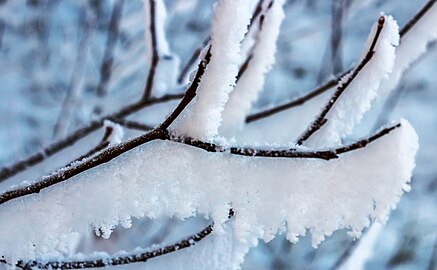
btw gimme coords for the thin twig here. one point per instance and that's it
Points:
(132, 125)
(190, 93)
(66, 173)
(287, 153)
(121, 260)
(9, 171)
(155, 55)
(194, 56)
(333, 82)
(34, 159)
(102, 145)
(321, 118)
(294, 103)
(160, 134)
(410, 24)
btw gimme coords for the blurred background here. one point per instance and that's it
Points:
(64, 63)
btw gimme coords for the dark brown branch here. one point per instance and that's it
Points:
(190, 93)
(120, 260)
(331, 83)
(115, 151)
(297, 102)
(288, 153)
(102, 145)
(321, 118)
(132, 125)
(66, 173)
(192, 60)
(410, 24)
(256, 14)
(363, 143)
(9, 171)
(155, 55)
(244, 67)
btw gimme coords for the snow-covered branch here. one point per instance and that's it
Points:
(183, 167)
(332, 124)
(251, 82)
(230, 22)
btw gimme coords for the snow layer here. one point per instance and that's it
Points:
(229, 24)
(165, 178)
(252, 81)
(412, 46)
(356, 100)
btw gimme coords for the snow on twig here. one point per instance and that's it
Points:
(136, 185)
(356, 90)
(229, 24)
(251, 82)
(416, 35)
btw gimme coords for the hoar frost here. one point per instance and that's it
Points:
(165, 178)
(357, 98)
(229, 24)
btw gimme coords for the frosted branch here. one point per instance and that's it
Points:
(34, 159)
(331, 83)
(250, 79)
(288, 153)
(321, 118)
(190, 93)
(158, 134)
(72, 138)
(203, 118)
(119, 260)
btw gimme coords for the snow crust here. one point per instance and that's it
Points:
(356, 100)
(164, 178)
(413, 45)
(251, 83)
(229, 24)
